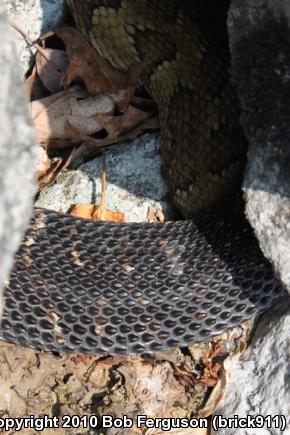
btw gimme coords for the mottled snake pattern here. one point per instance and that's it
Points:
(94, 287)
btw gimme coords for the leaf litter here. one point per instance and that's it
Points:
(83, 95)
(165, 384)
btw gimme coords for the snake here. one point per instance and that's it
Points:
(79, 286)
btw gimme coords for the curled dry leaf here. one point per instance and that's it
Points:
(43, 164)
(96, 72)
(117, 126)
(211, 374)
(49, 178)
(34, 87)
(184, 376)
(81, 359)
(96, 213)
(215, 396)
(212, 369)
(125, 127)
(51, 114)
(230, 339)
(75, 116)
(50, 76)
(110, 361)
(98, 375)
(155, 215)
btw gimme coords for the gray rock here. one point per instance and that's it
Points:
(16, 151)
(134, 181)
(260, 384)
(260, 45)
(35, 17)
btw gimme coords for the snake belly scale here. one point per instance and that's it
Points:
(92, 287)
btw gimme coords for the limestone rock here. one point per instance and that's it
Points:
(134, 182)
(260, 46)
(35, 17)
(260, 384)
(16, 151)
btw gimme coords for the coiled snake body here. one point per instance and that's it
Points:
(81, 286)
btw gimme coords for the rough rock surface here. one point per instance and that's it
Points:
(16, 151)
(260, 46)
(260, 384)
(134, 182)
(35, 17)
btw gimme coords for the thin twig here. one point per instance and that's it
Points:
(38, 47)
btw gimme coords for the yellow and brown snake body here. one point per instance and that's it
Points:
(202, 144)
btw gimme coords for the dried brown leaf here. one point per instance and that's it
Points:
(211, 374)
(155, 215)
(95, 212)
(49, 177)
(51, 114)
(91, 146)
(51, 76)
(34, 87)
(184, 376)
(43, 164)
(80, 359)
(111, 361)
(117, 126)
(97, 73)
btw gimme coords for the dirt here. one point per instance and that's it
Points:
(181, 383)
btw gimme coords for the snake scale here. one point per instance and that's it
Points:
(94, 287)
